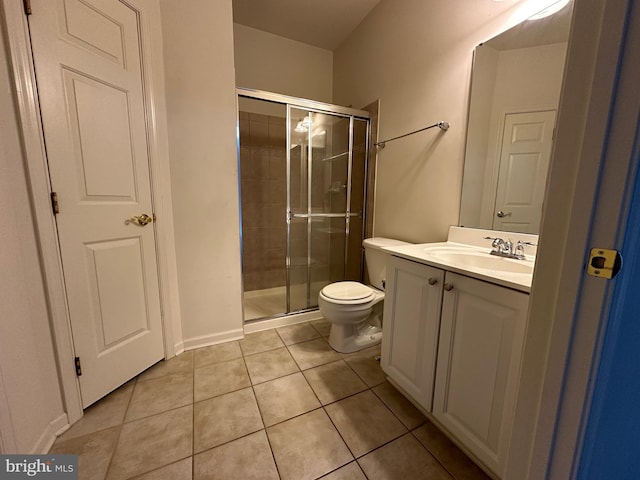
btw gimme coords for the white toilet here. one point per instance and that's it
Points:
(353, 309)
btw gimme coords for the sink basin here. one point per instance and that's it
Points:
(483, 261)
(473, 260)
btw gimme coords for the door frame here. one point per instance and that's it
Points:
(21, 62)
(589, 202)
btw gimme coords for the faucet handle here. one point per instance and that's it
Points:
(531, 244)
(520, 247)
(497, 241)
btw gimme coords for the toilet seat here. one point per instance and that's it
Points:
(348, 293)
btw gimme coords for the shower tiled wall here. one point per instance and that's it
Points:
(264, 198)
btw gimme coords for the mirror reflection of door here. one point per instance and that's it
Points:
(524, 161)
(519, 70)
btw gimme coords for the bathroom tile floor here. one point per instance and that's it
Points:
(280, 404)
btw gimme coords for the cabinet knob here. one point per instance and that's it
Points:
(433, 281)
(448, 287)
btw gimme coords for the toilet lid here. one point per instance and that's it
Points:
(347, 291)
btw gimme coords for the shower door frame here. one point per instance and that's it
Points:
(329, 109)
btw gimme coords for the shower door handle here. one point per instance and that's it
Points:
(291, 215)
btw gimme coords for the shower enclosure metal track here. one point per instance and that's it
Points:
(312, 108)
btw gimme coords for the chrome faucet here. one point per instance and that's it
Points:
(507, 249)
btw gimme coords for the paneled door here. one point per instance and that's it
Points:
(87, 56)
(524, 162)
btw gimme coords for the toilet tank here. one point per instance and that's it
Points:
(376, 258)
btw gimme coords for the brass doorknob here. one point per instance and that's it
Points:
(140, 220)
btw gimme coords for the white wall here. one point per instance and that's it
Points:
(415, 56)
(264, 61)
(485, 63)
(30, 397)
(202, 118)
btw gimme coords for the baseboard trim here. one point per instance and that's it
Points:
(259, 325)
(51, 432)
(178, 348)
(208, 340)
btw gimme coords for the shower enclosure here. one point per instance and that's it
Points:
(303, 171)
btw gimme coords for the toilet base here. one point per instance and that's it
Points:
(351, 338)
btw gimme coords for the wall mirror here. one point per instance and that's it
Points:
(515, 89)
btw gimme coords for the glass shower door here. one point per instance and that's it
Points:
(320, 213)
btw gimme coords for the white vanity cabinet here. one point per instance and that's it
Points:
(413, 293)
(453, 343)
(481, 336)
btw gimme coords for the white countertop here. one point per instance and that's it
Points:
(472, 261)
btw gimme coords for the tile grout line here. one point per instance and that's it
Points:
(435, 457)
(266, 434)
(124, 415)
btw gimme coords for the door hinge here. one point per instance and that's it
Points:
(54, 203)
(604, 263)
(78, 366)
(27, 6)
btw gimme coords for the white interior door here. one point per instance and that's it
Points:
(87, 57)
(524, 161)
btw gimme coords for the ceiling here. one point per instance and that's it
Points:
(322, 23)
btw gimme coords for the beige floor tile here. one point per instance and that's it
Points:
(365, 352)
(228, 424)
(220, 378)
(94, 451)
(298, 333)
(178, 364)
(322, 326)
(313, 353)
(367, 367)
(225, 418)
(398, 403)
(285, 398)
(248, 458)
(334, 381)
(160, 394)
(364, 422)
(403, 458)
(266, 366)
(153, 442)
(104, 414)
(351, 471)
(260, 342)
(217, 353)
(176, 471)
(301, 455)
(448, 454)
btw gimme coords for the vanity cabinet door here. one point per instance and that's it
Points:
(413, 296)
(481, 337)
